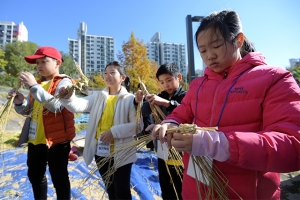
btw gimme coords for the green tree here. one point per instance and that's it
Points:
(14, 55)
(68, 65)
(3, 62)
(8, 81)
(134, 58)
(295, 70)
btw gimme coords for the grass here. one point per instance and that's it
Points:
(80, 127)
(9, 140)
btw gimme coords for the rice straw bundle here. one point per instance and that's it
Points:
(83, 83)
(129, 149)
(4, 112)
(189, 128)
(215, 181)
(158, 115)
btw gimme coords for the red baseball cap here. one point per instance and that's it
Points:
(43, 52)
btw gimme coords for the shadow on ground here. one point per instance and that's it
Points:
(290, 186)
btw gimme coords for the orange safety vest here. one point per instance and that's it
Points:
(58, 127)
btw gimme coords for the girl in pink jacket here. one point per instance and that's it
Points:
(256, 108)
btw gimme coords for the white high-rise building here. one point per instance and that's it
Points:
(294, 61)
(91, 52)
(162, 52)
(11, 32)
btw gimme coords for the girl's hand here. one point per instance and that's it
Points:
(19, 98)
(27, 78)
(182, 142)
(106, 137)
(65, 93)
(160, 131)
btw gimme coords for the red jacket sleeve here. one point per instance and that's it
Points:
(183, 113)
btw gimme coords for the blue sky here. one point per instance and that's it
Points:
(272, 25)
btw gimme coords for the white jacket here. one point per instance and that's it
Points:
(124, 127)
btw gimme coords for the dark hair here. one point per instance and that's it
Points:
(229, 25)
(247, 47)
(168, 68)
(122, 71)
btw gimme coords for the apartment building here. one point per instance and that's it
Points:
(294, 61)
(91, 52)
(162, 52)
(11, 32)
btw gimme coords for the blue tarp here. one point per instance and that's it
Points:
(14, 183)
(84, 118)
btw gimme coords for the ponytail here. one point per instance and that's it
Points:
(126, 83)
(247, 47)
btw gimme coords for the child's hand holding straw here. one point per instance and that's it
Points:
(160, 131)
(139, 96)
(66, 92)
(210, 142)
(27, 79)
(18, 97)
(153, 99)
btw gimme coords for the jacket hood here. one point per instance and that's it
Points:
(123, 91)
(252, 59)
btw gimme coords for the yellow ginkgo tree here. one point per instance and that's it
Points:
(134, 58)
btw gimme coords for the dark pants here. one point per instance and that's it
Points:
(167, 190)
(118, 186)
(57, 159)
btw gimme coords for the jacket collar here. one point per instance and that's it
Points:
(250, 60)
(176, 92)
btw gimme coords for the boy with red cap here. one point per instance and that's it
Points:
(50, 127)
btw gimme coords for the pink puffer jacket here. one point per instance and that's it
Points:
(258, 109)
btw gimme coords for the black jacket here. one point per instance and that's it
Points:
(175, 100)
